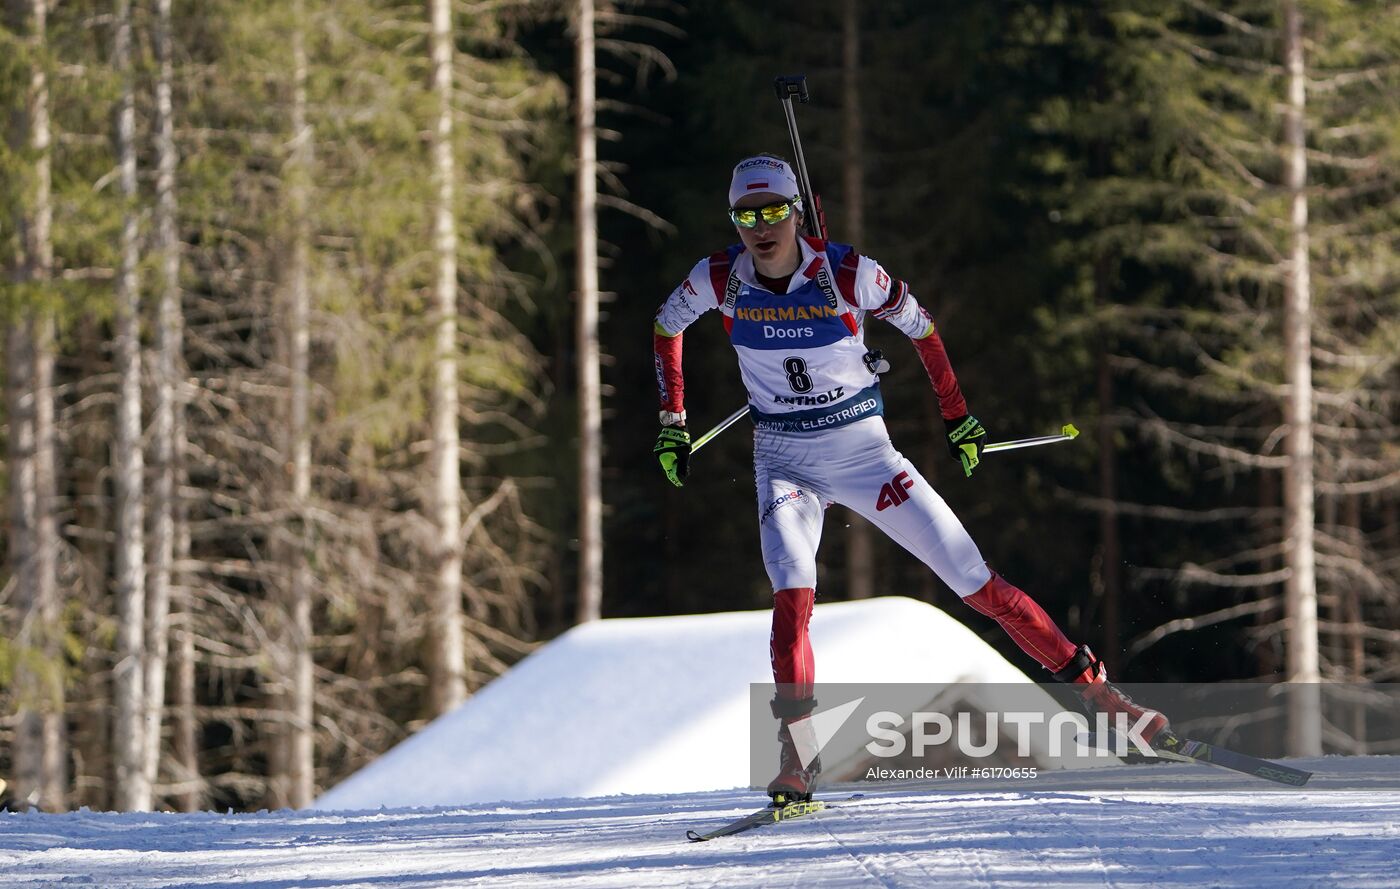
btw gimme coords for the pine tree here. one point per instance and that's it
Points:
(590, 495)
(1240, 176)
(447, 679)
(133, 790)
(166, 448)
(860, 556)
(370, 372)
(40, 746)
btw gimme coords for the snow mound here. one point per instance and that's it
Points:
(651, 705)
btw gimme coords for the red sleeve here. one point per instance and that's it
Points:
(667, 350)
(950, 398)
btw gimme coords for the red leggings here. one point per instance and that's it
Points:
(794, 670)
(1024, 621)
(789, 647)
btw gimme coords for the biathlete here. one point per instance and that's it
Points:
(794, 308)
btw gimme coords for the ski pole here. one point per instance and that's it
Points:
(874, 359)
(724, 424)
(1067, 432)
(789, 87)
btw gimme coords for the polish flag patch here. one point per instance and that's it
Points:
(882, 280)
(754, 185)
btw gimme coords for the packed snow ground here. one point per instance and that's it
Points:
(1209, 829)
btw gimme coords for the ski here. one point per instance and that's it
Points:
(1190, 750)
(771, 814)
(1178, 749)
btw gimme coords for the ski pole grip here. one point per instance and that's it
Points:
(792, 86)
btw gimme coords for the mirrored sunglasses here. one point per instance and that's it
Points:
(747, 217)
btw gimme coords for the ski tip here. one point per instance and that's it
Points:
(1069, 430)
(694, 837)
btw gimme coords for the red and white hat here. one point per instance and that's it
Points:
(763, 174)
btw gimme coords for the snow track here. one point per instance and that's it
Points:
(1061, 831)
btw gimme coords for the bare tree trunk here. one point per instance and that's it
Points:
(1107, 580)
(189, 794)
(165, 449)
(22, 546)
(276, 704)
(447, 684)
(860, 544)
(1300, 587)
(53, 781)
(590, 420)
(53, 760)
(40, 749)
(133, 791)
(301, 740)
(1110, 548)
(53, 765)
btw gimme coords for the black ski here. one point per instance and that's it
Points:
(770, 814)
(1190, 750)
(1178, 749)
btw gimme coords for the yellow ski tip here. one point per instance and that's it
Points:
(1069, 430)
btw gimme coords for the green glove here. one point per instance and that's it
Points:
(966, 439)
(673, 451)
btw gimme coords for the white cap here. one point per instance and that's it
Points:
(763, 174)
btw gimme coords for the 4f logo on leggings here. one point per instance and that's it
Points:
(892, 494)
